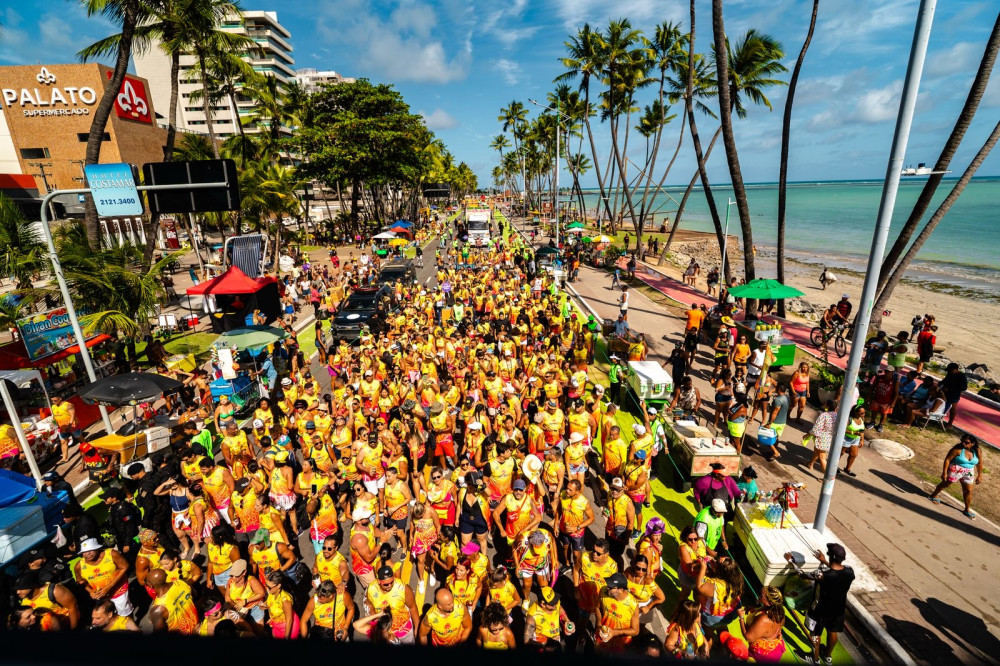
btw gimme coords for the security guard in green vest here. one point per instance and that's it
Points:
(615, 377)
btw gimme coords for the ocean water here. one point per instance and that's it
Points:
(832, 223)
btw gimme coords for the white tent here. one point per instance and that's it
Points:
(21, 379)
(385, 235)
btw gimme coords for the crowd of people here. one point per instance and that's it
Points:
(464, 448)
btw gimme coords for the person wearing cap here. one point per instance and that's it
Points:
(748, 484)
(103, 572)
(829, 607)
(446, 622)
(441, 423)
(389, 594)
(546, 621)
(615, 379)
(266, 556)
(523, 514)
(636, 477)
(721, 348)
(535, 559)
(331, 610)
(716, 485)
(643, 440)
(64, 414)
(617, 616)
(621, 518)
(101, 466)
(575, 458)
(365, 541)
(50, 597)
(245, 593)
(710, 525)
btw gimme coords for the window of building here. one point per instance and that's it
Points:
(34, 153)
(82, 137)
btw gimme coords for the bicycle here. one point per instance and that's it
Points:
(820, 337)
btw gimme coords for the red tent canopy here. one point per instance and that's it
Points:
(13, 355)
(233, 281)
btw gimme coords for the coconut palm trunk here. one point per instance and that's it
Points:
(729, 141)
(786, 127)
(897, 273)
(687, 193)
(699, 155)
(206, 103)
(923, 202)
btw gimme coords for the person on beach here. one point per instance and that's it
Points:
(964, 465)
(713, 280)
(826, 278)
(953, 385)
(926, 340)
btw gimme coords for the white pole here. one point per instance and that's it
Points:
(725, 239)
(15, 420)
(907, 106)
(555, 205)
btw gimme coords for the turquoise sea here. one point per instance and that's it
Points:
(832, 223)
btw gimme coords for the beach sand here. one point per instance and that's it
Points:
(966, 328)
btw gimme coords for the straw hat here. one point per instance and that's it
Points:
(531, 467)
(437, 407)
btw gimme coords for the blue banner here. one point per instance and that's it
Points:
(113, 189)
(48, 332)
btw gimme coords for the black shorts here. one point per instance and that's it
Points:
(925, 356)
(396, 524)
(477, 527)
(832, 624)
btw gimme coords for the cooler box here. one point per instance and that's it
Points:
(767, 437)
(693, 448)
(228, 387)
(649, 381)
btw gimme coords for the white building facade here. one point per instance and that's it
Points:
(312, 80)
(275, 59)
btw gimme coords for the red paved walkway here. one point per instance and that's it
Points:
(974, 417)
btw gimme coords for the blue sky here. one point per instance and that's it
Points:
(458, 62)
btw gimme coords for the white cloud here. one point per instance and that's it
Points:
(574, 13)
(880, 105)
(408, 45)
(510, 70)
(500, 20)
(959, 59)
(439, 119)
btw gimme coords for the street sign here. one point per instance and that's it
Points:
(113, 189)
(186, 173)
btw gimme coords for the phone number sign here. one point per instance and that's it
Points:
(113, 189)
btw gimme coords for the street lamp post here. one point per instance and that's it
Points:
(907, 106)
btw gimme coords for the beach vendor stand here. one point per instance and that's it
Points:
(237, 354)
(237, 296)
(769, 528)
(140, 437)
(760, 332)
(38, 439)
(693, 450)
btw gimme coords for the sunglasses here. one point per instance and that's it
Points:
(600, 553)
(692, 539)
(642, 570)
(436, 477)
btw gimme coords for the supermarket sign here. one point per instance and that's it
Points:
(49, 332)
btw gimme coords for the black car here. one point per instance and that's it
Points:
(367, 306)
(401, 270)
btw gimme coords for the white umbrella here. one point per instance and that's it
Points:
(603, 239)
(385, 235)
(575, 231)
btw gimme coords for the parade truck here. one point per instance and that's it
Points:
(477, 224)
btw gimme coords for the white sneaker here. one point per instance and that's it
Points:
(433, 581)
(421, 587)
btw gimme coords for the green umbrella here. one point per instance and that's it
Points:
(250, 337)
(764, 289)
(575, 225)
(587, 239)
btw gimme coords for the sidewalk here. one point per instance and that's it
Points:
(975, 416)
(934, 564)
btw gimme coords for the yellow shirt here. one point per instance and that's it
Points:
(446, 628)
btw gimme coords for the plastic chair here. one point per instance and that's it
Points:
(936, 417)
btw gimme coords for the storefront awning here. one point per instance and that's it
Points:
(13, 355)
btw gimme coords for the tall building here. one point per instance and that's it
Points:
(274, 58)
(312, 79)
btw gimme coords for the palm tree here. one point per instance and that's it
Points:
(127, 14)
(22, 251)
(762, 59)
(513, 117)
(227, 75)
(499, 144)
(211, 43)
(923, 202)
(786, 126)
(584, 61)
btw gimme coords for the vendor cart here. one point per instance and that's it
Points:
(763, 332)
(649, 381)
(760, 529)
(693, 449)
(135, 447)
(241, 390)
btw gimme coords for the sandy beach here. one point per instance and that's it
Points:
(966, 327)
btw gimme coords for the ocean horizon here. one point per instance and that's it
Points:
(832, 223)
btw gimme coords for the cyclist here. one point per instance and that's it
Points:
(830, 319)
(844, 308)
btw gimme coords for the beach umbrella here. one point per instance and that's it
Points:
(575, 225)
(399, 230)
(764, 289)
(385, 235)
(603, 239)
(546, 250)
(396, 242)
(402, 223)
(250, 337)
(587, 239)
(576, 230)
(129, 388)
